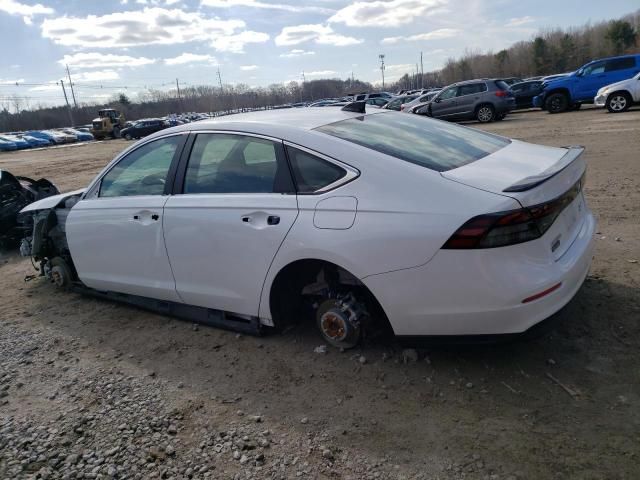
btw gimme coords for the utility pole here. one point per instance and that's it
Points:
(67, 100)
(417, 73)
(381, 57)
(219, 79)
(179, 96)
(421, 72)
(73, 94)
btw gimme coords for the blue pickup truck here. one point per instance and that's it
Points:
(569, 92)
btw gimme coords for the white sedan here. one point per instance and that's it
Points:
(337, 216)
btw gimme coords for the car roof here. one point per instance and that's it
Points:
(293, 124)
(299, 118)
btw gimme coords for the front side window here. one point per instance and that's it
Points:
(593, 69)
(448, 93)
(223, 163)
(433, 144)
(312, 173)
(143, 171)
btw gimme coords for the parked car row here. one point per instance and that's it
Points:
(42, 138)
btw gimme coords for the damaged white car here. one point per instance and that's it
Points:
(338, 216)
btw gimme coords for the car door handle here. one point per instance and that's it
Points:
(273, 220)
(155, 216)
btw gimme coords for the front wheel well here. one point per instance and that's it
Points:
(303, 282)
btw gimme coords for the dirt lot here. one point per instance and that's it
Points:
(91, 389)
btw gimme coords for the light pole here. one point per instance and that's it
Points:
(381, 57)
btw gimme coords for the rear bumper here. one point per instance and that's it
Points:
(480, 292)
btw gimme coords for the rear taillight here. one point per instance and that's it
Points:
(513, 226)
(502, 93)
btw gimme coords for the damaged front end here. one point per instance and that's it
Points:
(47, 245)
(15, 194)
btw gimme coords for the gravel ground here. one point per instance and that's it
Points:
(93, 389)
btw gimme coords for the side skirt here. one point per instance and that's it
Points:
(201, 315)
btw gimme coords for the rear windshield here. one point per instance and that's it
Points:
(433, 144)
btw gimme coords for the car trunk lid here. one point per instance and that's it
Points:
(534, 175)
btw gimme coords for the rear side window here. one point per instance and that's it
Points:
(471, 89)
(312, 173)
(433, 144)
(221, 163)
(620, 64)
(502, 85)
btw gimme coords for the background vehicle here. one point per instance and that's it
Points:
(6, 146)
(142, 128)
(51, 139)
(34, 142)
(410, 107)
(19, 142)
(525, 91)
(581, 86)
(377, 101)
(512, 80)
(618, 97)
(484, 100)
(279, 205)
(108, 124)
(396, 103)
(81, 136)
(15, 194)
(366, 96)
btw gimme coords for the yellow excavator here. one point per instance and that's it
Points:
(108, 124)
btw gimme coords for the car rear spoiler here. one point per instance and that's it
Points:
(528, 183)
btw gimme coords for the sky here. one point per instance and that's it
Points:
(133, 45)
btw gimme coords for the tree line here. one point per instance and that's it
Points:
(550, 51)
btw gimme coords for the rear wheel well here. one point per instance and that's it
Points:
(303, 283)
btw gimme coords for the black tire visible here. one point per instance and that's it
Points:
(485, 113)
(128, 136)
(116, 132)
(618, 102)
(557, 103)
(349, 337)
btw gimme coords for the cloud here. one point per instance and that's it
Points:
(96, 76)
(434, 35)
(320, 34)
(386, 13)
(103, 60)
(27, 11)
(150, 26)
(248, 68)
(46, 88)
(11, 82)
(259, 4)
(191, 58)
(297, 53)
(519, 21)
(320, 73)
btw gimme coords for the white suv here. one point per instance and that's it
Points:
(618, 97)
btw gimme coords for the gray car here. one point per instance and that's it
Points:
(484, 100)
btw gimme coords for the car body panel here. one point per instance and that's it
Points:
(117, 245)
(218, 259)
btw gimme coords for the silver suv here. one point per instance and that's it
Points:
(484, 100)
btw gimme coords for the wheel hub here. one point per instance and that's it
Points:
(334, 325)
